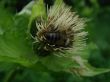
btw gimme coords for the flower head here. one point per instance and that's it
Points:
(62, 31)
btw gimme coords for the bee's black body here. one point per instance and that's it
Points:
(56, 39)
(53, 37)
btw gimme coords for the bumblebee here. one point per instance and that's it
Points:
(55, 39)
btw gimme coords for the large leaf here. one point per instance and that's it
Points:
(14, 45)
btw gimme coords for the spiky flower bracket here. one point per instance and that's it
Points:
(60, 39)
(62, 31)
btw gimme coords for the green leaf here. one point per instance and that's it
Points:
(92, 71)
(86, 69)
(27, 10)
(38, 11)
(15, 46)
(56, 63)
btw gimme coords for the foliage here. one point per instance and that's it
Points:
(16, 47)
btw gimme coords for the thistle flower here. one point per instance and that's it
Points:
(62, 31)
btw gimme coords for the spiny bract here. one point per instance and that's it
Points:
(62, 31)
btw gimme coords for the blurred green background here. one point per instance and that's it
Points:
(98, 26)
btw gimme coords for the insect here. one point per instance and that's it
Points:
(54, 38)
(51, 39)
